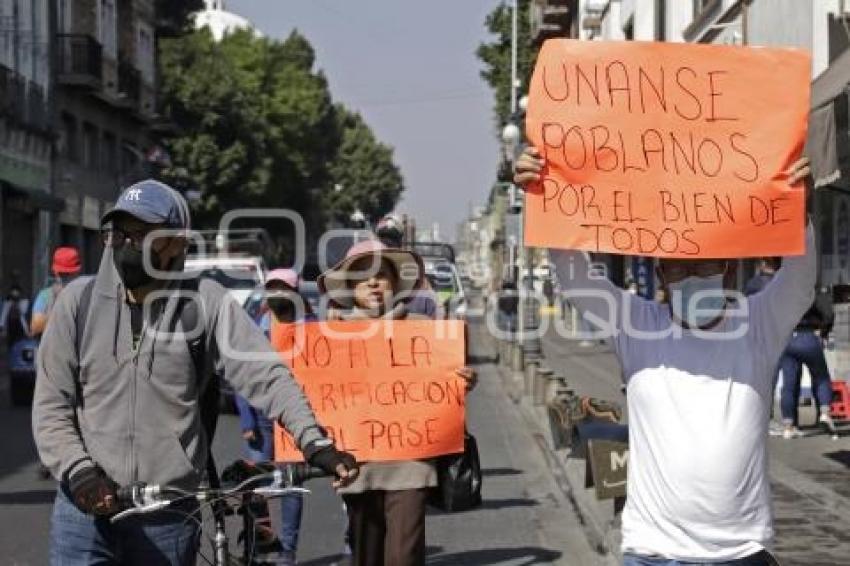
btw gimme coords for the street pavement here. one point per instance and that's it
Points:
(809, 476)
(526, 518)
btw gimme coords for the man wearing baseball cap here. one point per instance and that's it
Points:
(119, 403)
(65, 267)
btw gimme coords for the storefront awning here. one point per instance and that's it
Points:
(828, 142)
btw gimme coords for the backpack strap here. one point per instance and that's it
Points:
(82, 317)
(83, 307)
(189, 317)
(209, 390)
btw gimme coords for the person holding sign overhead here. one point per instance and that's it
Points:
(386, 503)
(698, 373)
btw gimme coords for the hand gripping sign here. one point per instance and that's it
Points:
(668, 150)
(384, 390)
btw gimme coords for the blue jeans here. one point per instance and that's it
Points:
(804, 348)
(758, 559)
(262, 450)
(163, 538)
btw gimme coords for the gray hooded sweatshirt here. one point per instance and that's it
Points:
(136, 413)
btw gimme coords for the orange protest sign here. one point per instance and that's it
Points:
(384, 390)
(668, 150)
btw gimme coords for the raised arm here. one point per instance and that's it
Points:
(778, 308)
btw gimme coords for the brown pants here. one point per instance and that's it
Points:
(387, 527)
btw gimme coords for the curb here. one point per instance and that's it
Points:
(603, 534)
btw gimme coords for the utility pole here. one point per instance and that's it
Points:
(521, 255)
(514, 9)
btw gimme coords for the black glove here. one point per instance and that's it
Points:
(323, 455)
(93, 491)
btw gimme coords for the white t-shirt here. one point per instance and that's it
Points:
(698, 485)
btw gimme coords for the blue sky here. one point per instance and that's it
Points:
(410, 68)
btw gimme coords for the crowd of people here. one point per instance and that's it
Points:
(108, 380)
(116, 402)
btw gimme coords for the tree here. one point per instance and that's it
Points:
(257, 127)
(496, 57)
(363, 173)
(221, 147)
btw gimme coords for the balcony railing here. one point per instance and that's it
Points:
(36, 116)
(22, 102)
(13, 95)
(5, 91)
(80, 60)
(129, 82)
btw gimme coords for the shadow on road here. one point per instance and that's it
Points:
(31, 497)
(506, 503)
(487, 504)
(527, 555)
(477, 360)
(325, 561)
(498, 472)
(840, 456)
(18, 445)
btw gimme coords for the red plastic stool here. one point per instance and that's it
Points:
(840, 406)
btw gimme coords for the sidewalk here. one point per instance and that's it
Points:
(525, 518)
(809, 476)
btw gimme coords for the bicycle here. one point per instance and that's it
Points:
(271, 481)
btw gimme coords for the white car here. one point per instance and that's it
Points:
(241, 275)
(445, 282)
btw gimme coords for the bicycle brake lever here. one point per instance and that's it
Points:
(277, 491)
(139, 510)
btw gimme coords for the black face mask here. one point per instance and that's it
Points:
(283, 309)
(129, 262)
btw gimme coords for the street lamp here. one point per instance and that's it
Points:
(523, 103)
(511, 138)
(358, 219)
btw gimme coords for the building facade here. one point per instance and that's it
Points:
(105, 104)
(26, 205)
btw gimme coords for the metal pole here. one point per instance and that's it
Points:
(521, 255)
(514, 9)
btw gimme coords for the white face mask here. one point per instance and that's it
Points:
(697, 300)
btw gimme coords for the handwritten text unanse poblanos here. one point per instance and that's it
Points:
(689, 150)
(396, 354)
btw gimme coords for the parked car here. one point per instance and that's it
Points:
(22, 371)
(445, 281)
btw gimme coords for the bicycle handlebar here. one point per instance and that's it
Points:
(284, 478)
(301, 472)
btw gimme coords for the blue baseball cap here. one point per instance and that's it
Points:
(152, 202)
